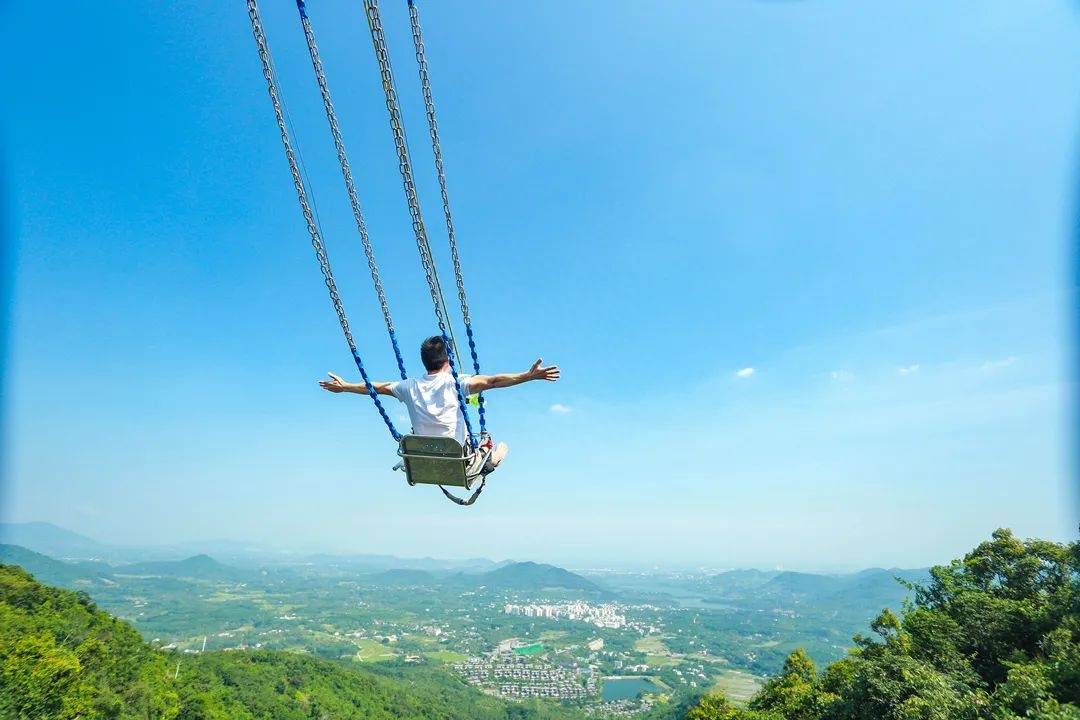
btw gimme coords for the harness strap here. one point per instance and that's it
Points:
(483, 452)
(463, 501)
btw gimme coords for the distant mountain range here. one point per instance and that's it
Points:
(51, 540)
(860, 592)
(61, 572)
(526, 576)
(536, 576)
(58, 542)
(40, 547)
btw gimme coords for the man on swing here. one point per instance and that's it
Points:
(432, 400)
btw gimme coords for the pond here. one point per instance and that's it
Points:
(627, 688)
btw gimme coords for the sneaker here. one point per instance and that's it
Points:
(497, 455)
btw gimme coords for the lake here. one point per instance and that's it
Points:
(627, 688)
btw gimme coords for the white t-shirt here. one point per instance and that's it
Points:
(433, 405)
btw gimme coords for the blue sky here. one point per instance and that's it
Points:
(805, 266)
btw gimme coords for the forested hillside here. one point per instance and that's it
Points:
(61, 658)
(995, 636)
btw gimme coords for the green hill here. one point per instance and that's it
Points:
(799, 585)
(56, 572)
(854, 596)
(535, 576)
(61, 658)
(732, 582)
(864, 592)
(51, 540)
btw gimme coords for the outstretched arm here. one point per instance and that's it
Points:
(336, 385)
(480, 383)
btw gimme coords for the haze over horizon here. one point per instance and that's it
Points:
(231, 549)
(806, 280)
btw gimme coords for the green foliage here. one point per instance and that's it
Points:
(994, 636)
(793, 694)
(39, 679)
(61, 658)
(267, 685)
(716, 707)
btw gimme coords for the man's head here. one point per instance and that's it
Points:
(433, 354)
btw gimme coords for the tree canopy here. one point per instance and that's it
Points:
(993, 636)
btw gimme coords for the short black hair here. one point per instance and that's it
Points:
(433, 353)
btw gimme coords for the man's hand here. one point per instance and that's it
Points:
(538, 372)
(335, 384)
(480, 383)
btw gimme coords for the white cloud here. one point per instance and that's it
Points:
(994, 365)
(560, 409)
(909, 369)
(745, 372)
(841, 376)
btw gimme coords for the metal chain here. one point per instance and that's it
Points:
(440, 169)
(305, 207)
(397, 127)
(350, 186)
(436, 146)
(382, 55)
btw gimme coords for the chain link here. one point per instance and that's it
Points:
(350, 185)
(305, 206)
(397, 127)
(382, 55)
(440, 169)
(436, 146)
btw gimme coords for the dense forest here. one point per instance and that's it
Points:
(994, 636)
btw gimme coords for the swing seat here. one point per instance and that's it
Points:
(439, 461)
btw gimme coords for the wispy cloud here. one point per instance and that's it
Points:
(745, 372)
(994, 365)
(841, 376)
(560, 409)
(908, 369)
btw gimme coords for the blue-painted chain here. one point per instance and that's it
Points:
(457, 387)
(397, 354)
(476, 370)
(373, 393)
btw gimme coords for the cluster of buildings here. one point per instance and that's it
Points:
(605, 616)
(517, 678)
(554, 692)
(693, 675)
